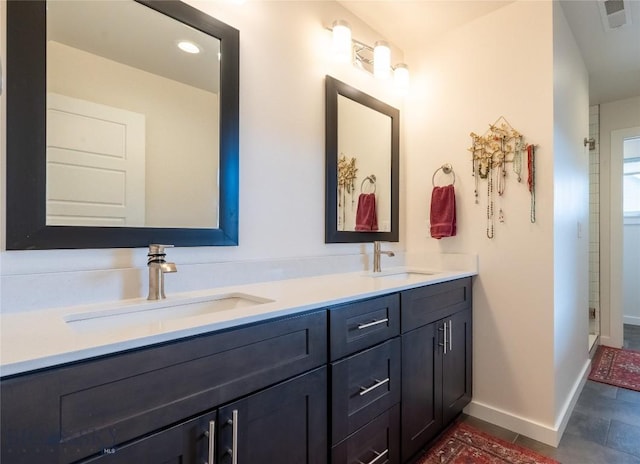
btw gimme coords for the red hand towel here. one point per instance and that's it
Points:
(366, 219)
(443, 212)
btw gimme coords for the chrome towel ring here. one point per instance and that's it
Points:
(447, 169)
(372, 180)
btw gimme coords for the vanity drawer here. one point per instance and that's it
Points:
(356, 326)
(421, 306)
(77, 410)
(363, 386)
(377, 442)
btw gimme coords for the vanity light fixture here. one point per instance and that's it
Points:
(401, 78)
(381, 60)
(375, 60)
(188, 47)
(342, 47)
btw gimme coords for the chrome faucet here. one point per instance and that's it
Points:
(376, 256)
(158, 267)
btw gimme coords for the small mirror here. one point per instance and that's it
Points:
(362, 166)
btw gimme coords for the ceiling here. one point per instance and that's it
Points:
(612, 57)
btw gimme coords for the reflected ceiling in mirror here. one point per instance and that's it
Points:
(362, 166)
(132, 120)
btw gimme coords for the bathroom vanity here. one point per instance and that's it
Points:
(368, 379)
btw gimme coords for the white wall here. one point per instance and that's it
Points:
(571, 221)
(616, 119)
(460, 85)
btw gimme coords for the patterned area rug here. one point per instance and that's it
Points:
(617, 367)
(463, 444)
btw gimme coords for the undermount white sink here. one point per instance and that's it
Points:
(401, 274)
(154, 313)
(405, 275)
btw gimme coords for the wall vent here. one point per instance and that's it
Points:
(614, 13)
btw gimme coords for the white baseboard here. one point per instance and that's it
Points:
(633, 320)
(544, 433)
(567, 408)
(608, 341)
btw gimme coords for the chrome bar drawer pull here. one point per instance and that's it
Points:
(378, 456)
(444, 337)
(211, 434)
(450, 336)
(379, 383)
(372, 323)
(234, 440)
(233, 451)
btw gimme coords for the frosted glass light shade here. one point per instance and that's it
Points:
(401, 78)
(381, 60)
(341, 41)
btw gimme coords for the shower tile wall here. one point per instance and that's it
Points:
(594, 220)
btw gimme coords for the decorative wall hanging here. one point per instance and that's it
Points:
(500, 145)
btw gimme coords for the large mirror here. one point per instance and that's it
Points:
(362, 166)
(116, 135)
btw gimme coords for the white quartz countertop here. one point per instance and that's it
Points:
(44, 338)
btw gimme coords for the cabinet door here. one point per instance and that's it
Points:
(456, 370)
(286, 423)
(76, 411)
(421, 387)
(187, 443)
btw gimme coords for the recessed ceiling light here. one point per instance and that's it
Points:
(188, 47)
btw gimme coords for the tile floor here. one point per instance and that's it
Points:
(603, 429)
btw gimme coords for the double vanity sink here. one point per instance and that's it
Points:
(75, 333)
(144, 312)
(337, 361)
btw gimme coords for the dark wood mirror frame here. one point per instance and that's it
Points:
(26, 140)
(334, 88)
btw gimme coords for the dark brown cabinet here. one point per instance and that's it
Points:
(373, 381)
(362, 324)
(421, 393)
(96, 407)
(183, 443)
(456, 366)
(436, 361)
(285, 423)
(364, 385)
(378, 442)
(365, 381)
